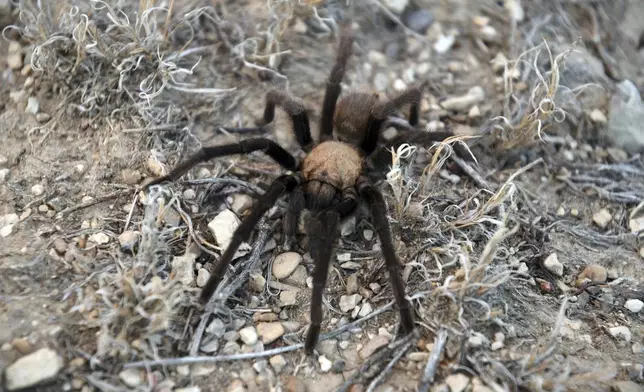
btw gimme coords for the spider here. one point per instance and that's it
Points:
(329, 181)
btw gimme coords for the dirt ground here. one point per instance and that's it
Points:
(106, 275)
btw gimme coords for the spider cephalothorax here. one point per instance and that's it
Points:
(329, 181)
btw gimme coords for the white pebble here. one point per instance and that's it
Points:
(325, 364)
(349, 302)
(285, 263)
(621, 332)
(37, 189)
(552, 264)
(634, 305)
(444, 43)
(33, 106)
(32, 369)
(223, 227)
(248, 335)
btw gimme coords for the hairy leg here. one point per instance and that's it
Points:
(293, 106)
(378, 207)
(282, 185)
(382, 111)
(272, 149)
(323, 233)
(291, 218)
(333, 87)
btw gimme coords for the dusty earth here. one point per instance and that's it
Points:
(101, 274)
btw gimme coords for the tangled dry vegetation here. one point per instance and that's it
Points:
(158, 66)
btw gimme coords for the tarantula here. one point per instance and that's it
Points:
(329, 181)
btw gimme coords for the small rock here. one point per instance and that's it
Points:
(288, 298)
(260, 366)
(626, 386)
(187, 389)
(368, 234)
(636, 225)
(475, 112)
(33, 369)
(22, 345)
(37, 189)
(99, 238)
(132, 377)
(372, 345)
(60, 246)
(365, 309)
(6, 231)
(210, 346)
(294, 384)
(241, 203)
(128, 241)
(269, 332)
(396, 6)
(634, 305)
(257, 283)
(189, 194)
(14, 55)
(325, 364)
(349, 302)
(617, 154)
(231, 336)
(236, 386)
(42, 117)
(464, 102)
(33, 106)
(352, 284)
(444, 43)
(418, 20)
(183, 268)
(496, 346)
(223, 227)
(552, 264)
(621, 332)
(598, 116)
(476, 340)
(131, 176)
(278, 362)
(380, 82)
(457, 382)
(4, 175)
(349, 265)
(602, 218)
(285, 264)
(399, 85)
(202, 277)
(291, 326)
(593, 273)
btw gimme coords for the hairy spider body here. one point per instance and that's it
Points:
(329, 182)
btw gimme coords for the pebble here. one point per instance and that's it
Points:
(626, 386)
(128, 241)
(33, 369)
(444, 43)
(399, 85)
(349, 265)
(476, 340)
(325, 364)
(241, 203)
(278, 363)
(457, 382)
(4, 174)
(187, 389)
(288, 298)
(33, 106)
(598, 116)
(236, 386)
(257, 283)
(130, 176)
(418, 20)
(602, 218)
(380, 82)
(6, 231)
(294, 384)
(621, 332)
(475, 112)
(636, 225)
(464, 102)
(37, 189)
(372, 345)
(22, 345)
(99, 238)
(210, 346)
(352, 284)
(397, 6)
(634, 305)
(365, 310)
(223, 227)
(291, 326)
(377, 58)
(232, 336)
(270, 332)
(183, 268)
(285, 264)
(202, 277)
(42, 117)
(14, 55)
(349, 302)
(593, 273)
(552, 264)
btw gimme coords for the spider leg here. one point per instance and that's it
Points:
(293, 106)
(291, 218)
(385, 109)
(333, 87)
(272, 149)
(283, 184)
(378, 207)
(323, 234)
